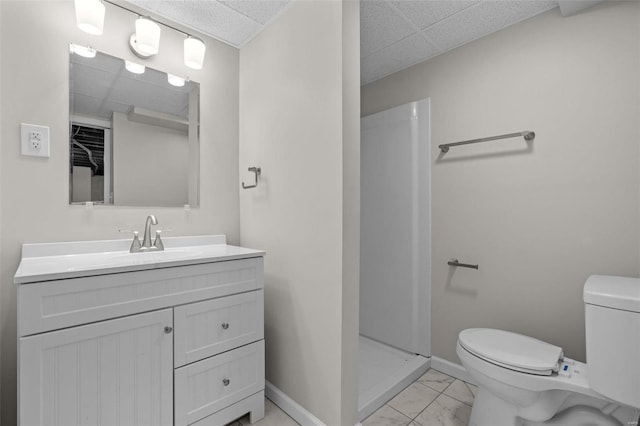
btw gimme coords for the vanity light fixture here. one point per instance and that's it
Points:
(145, 42)
(134, 68)
(194, 49)
(174, 80)
(90, 16)
(84, 51)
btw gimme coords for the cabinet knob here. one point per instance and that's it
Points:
(226, 382)
(225, 325)
(168, 330)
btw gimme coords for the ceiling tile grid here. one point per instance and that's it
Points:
(408, 51)
(443, 24)
(485, 18)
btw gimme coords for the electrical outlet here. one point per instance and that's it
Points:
(35, 140)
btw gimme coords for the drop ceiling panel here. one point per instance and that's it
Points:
(426, 13)
(403, 54)
(380, 26)
(260, 11)
(485, 18)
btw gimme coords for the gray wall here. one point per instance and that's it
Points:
(299, 122)
(539, 218)
(34, 191)
(165, 151)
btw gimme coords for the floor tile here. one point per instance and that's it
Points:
(460, 391)
(413, 399)
(273, 416)
(436, 380)
(473, 389)
(387, 416)
(444, 411)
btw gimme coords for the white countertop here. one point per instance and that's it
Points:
(55, 261)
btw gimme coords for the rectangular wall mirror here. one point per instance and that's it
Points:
(133, 135)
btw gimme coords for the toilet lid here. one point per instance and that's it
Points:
(512, 350)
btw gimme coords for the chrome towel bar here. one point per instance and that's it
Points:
(454, 262)
(527, 135)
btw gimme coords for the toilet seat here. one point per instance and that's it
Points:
(511, 350)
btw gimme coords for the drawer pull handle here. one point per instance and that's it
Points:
(226, 382)
(168, 330)
(225, 325)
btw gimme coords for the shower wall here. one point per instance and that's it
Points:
(394, 231)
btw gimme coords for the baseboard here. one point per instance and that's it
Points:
(452, 369)
(296, 411)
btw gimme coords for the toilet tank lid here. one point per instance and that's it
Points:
(613, 292)
(512, 350)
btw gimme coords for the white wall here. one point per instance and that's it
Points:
(540, 219)
(34, 192)
(299, 123)
(163, 156)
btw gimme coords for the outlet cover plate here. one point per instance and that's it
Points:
(35, 140)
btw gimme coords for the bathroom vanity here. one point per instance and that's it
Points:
(174, 337)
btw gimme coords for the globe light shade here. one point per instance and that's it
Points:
(84, 51)
(174, 80)
(90, 16)
(194, 53)
(134, 68)
(147, 36)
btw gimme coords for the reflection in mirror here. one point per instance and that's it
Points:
(133, 134)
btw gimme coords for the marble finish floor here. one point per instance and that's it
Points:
(435, 399)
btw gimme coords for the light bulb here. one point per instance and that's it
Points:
(194, 53)
(90, 16)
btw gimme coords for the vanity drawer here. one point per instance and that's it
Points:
(207, 386)
(214, 326)
(52, 305)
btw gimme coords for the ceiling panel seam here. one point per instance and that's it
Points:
(415, 28)
(266, 25)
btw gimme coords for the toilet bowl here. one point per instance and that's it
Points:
(523, 381)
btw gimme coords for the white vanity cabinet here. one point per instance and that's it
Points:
(177, 343)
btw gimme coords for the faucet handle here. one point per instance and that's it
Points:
(135, 244)
(158, 242)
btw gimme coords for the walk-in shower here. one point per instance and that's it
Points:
(394, 347)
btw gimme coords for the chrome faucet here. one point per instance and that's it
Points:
(137, 246)
(146, 240)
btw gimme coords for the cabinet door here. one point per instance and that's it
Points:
(117, 372)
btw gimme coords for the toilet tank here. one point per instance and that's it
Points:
(612, 324)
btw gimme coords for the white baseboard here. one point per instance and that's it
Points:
(452, 369)
(296, 411)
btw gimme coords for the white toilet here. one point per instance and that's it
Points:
(524, 381)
